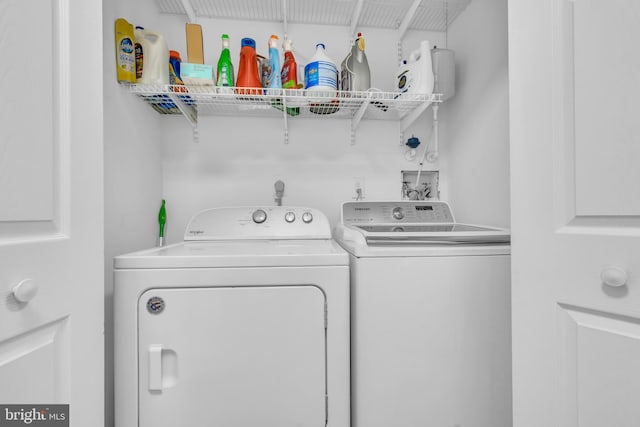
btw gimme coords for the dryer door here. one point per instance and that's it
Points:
(232, 357)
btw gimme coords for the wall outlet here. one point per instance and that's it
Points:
(427, 187)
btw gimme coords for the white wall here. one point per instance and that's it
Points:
(475, 131)
(238, 160)
(132, 174)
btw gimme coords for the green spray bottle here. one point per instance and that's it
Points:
(162, 220)
(224, 75)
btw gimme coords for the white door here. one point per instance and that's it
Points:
(51, 226)
(575, 159)
(236, 357)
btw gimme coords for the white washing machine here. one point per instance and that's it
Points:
(244, 324)
(430, 313)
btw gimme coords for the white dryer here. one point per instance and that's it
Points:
(431, 335)
(244, 324)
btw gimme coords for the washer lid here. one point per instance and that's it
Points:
(413, 228)
(237, 253)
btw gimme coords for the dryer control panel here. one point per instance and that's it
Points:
(413, 212)
(258, 222)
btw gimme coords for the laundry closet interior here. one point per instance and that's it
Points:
(234, 158)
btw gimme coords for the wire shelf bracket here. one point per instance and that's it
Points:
(357, 118)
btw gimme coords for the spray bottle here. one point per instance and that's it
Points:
(289, 74)
(274, 81)
(224, 75)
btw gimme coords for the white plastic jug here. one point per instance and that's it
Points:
(321, 74)
(416, 74)
(152, 54)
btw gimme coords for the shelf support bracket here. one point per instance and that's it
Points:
(286, 120)
(355, 120)
(406, 21)
(411, 117)
(189, 113)
(355, 18)
(191, 14)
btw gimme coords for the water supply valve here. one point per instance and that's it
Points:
(413, 144)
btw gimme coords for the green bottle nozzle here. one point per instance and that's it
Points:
(162, 220)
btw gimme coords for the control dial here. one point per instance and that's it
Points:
(398, 213)
(259, 216)
(290, 217)
(307, 217)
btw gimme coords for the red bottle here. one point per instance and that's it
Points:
(289, 74)
(248, 76)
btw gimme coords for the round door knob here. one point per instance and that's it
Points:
(25, 291)
(290, 217)
(259, 216)
(398, 213)
(307, 217)
(614, 276)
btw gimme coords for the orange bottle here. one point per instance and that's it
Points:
(248, 76)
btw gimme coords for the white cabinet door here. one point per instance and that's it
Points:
(51, 325)
(575, 156)
(232, 357)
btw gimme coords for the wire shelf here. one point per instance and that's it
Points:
(197, 101)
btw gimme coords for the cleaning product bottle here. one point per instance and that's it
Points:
(321, 74)
(248, 76)
(289, 74)
(154, 57)
(355, 72)
(224, 74)
(125, 51)
(174, 68)
(162, 220)
(416, 74)
(289, 79)
(274, 81)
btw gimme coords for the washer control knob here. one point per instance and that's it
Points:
(307, 217)
(259, 216)
(398, 213)
(290, 217)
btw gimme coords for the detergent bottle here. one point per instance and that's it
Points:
(416, 74)
(152, 57)
(289, 73)
(248, 76)
(355, 72)
(321, 74)
(174, 68)
(274, 80)
(125, 51)
(224, 75)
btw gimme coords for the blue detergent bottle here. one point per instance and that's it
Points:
(274, 81)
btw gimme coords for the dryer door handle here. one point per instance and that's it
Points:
(155, 367)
